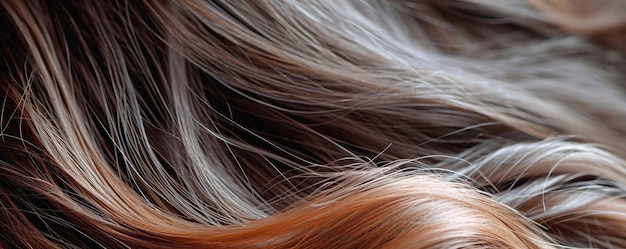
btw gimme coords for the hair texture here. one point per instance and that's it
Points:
(313, 124)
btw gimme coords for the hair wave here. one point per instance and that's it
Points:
(312, 124)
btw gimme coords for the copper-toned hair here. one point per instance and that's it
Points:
(312, 124)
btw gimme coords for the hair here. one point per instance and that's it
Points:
(313, 124)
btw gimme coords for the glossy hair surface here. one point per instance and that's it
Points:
(312, 124)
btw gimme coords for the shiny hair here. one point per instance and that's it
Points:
(312, 124)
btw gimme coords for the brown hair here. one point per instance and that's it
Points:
(312, 124)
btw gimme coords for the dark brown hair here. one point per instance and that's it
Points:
(312, 124)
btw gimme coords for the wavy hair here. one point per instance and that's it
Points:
(313, 124)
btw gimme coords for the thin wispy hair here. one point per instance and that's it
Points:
(312, 124)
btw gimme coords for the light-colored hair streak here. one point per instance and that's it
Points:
(312, 124)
